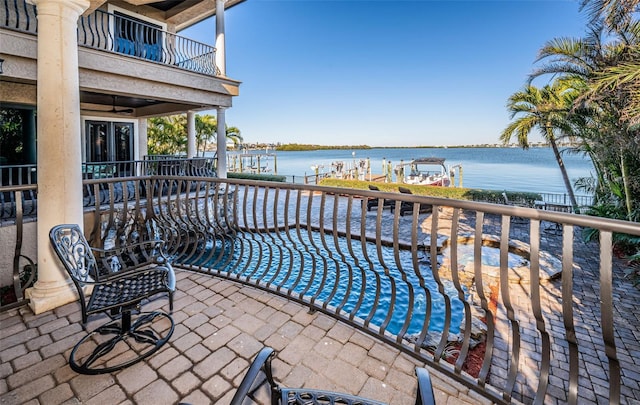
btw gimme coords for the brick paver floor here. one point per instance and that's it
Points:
(220, 327)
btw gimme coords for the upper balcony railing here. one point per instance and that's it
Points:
(123, 35)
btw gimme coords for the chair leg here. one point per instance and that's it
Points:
(139, 337)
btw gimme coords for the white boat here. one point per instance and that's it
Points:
(425, 172)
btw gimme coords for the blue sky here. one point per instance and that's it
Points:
(383, 73)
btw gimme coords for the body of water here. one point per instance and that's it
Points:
(512, 169)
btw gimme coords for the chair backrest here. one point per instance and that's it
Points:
(74, 252)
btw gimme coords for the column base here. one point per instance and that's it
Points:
(44, 299)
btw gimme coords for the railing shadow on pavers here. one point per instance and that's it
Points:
(546, 328)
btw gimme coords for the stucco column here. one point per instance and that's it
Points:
(59, 144)
(221, 57)
(221, 144)
(143, 146)
(191, 134)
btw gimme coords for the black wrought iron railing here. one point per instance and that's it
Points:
(167, 165)
(18, 15)
(121, 34)
(446, 281)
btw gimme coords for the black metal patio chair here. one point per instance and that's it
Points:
(258, 383)
(406, 206)
(373, 202)
(117, 283)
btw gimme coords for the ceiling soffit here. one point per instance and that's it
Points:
(184, 13)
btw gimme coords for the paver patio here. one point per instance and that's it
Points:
(220, 327)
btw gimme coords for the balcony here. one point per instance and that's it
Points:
(122, 34)
(147, 70)
(310, 271)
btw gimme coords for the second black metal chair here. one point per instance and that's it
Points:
(260, 377)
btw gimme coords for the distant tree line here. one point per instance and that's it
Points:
(307, 147)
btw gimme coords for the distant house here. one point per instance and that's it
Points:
(84, 76)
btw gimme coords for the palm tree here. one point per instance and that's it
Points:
(617, 16)
(234, 134)
(168, 135)
(546, 109)
(596, 61)
(615, 13)
(206, 127)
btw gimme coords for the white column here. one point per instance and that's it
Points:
(191, 134)
(221, 57)
(143, 145)
(221, 145)
(59, 144)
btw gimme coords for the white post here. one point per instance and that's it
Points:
(221, 145)
(221, 57)
(59, 144)
(143, 147)
(191, 134)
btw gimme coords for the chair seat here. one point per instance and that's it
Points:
(128, 290)
(304, 396)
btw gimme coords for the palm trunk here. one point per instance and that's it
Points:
(625, 184)
(565, 176)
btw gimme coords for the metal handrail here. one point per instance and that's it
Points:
(166, 165)
(123, 35)
(319, 246)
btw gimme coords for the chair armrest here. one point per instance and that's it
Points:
(425, 389)
(262, 362)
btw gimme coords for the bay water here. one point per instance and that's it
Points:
(512, 169)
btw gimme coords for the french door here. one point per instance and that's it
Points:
(109, 141)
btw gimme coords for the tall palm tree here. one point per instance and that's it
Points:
(615, 13)
(206, 129)
(595, 60)
(167, 135)
(233, 133)
(618, 17)
(546, 109)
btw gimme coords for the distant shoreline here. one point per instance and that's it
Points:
(297, 147)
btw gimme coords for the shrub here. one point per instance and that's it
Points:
(491, 196)
(255, 176)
